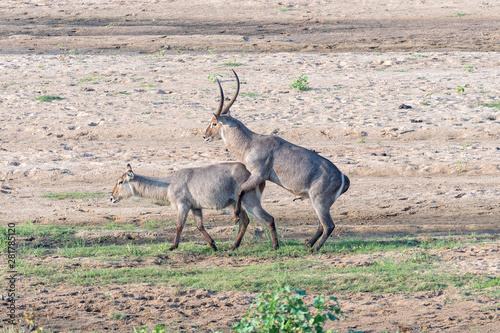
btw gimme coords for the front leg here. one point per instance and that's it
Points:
(251, 184)
(182, 214)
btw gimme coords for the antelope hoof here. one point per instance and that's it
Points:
(213, 247)
(173, 247)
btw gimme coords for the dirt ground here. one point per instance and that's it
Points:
(133, 78)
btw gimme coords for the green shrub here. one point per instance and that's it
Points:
(300, 83)
(279, 311)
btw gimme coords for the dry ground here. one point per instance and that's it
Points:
(132, 76)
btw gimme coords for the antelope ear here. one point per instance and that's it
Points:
(129, 168)
(220, 119)
(130, 175)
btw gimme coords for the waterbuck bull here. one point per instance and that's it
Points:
(297, 169)
(192, 189)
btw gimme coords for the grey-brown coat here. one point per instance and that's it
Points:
(297, 169)
(193, 189)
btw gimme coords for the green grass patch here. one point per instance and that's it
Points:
(457, 14)
(401, 264)
(48, 98)
(402, 274)
(233, 64)
(492, 105)
(74, 195)
(249, 94)
(61, 240)
(54, 232)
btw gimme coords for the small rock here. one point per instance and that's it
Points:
(404, 106)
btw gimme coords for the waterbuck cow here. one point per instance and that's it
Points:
(192, 189)
(299, 170)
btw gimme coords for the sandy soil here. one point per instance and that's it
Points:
(133, 78)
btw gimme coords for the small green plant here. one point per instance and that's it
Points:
(362, 140)
(300, 83)
(160, 328)
(48, 98)
(116, 316)
(461, 89)
(75, 52)
(279, 311)
(457, 14)
(288, 9)
(469, 68)
(160, 53)
(460, 168)
(233, 63)
(213, 77)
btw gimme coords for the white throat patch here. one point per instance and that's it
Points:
(222, 134)
(131, 189)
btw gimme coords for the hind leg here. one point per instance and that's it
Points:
(322, 208)
(250, 185)
(316, 236)
(198, 217)
(243, 224)
(252, 205)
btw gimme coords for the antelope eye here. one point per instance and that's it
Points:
(214, 124)
(120, 182)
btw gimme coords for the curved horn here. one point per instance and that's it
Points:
(221, 103)
(226, 108)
